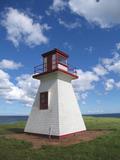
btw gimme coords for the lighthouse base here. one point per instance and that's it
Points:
(56, 137)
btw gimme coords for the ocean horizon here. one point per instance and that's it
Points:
(9, 119)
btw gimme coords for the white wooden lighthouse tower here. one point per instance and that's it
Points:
(55, 111)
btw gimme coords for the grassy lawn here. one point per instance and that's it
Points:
(106, 147)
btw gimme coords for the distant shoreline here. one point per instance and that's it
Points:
(97, 114)
(112, 115)
(10, 119)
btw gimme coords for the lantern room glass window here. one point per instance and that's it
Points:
(62, 60)
(54, 61)
(45, 64)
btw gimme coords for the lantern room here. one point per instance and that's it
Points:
(54, 60)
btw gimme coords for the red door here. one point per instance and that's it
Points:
(49, 63)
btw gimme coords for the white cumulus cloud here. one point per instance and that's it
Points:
(100, 70)
(5, 84)
(69, 25)
(85, 81)
(118, 46)
(23, 90)
(22, 28)
(109, 84)
(9, 64)
(118, 85)
(58, 5)
(104, 13)
(113, 63)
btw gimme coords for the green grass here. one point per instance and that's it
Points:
(103, 148)
(12, 128)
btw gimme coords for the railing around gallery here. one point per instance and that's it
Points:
(42, 68)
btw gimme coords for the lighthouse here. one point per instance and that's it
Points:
(55, 111)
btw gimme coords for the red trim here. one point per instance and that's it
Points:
(57, 137)
(54, 51)
(63, 64)
(71, 74)
(49, 63)
(37, 76)
(70, 134)
(56, 59)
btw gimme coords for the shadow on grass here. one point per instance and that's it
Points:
(110, 129)
(16, 130)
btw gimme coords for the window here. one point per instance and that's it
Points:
(44, 100)
(54, 61)
(45, 64)
(62, 60)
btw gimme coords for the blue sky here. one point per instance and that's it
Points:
(87, 30)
